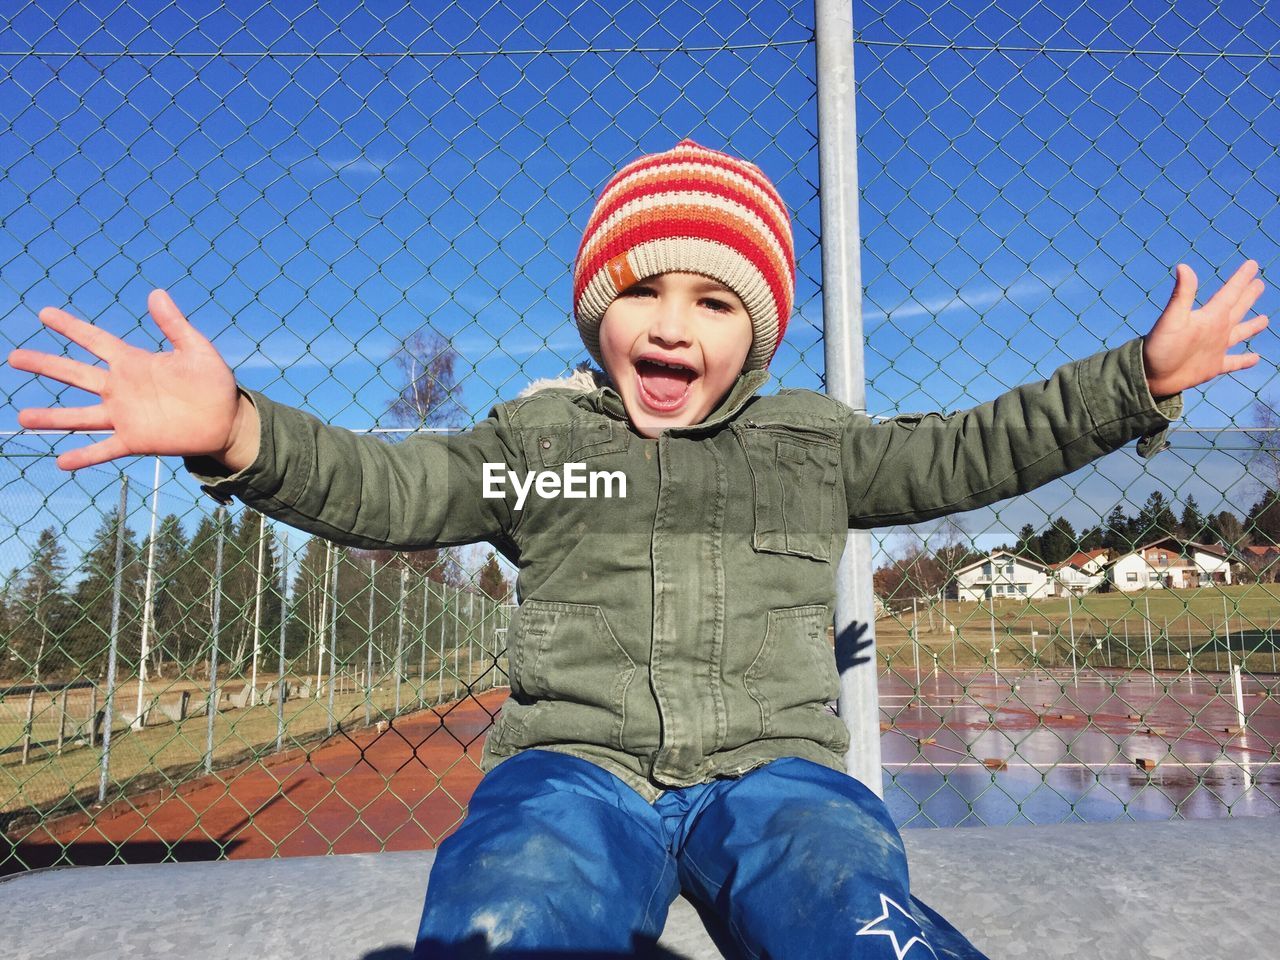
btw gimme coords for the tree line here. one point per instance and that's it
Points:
(49, 630)
(920, 570)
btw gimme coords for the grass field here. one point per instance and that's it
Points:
(1177, 621)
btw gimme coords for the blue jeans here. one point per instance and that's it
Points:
(559, 858)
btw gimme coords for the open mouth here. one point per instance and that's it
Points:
(664, 386)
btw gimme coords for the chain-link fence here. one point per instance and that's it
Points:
(373, 215)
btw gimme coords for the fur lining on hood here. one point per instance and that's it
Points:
(585, 378)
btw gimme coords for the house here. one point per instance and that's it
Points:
(1169, 562)
(1082, 572)
(1002, 574)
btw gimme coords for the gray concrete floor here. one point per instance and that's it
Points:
(1155, 891)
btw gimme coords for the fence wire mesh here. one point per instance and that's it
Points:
(373, 216)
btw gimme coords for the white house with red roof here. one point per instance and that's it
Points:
(1170, 562)
(1082, 572)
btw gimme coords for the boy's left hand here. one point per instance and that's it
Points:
(1188, 347)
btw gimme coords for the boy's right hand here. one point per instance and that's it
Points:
(183, 402)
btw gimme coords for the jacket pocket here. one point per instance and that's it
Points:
(795, 668)
(793, 476)
(558, 444)
(566, 652)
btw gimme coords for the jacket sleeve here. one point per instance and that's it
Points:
(361, 491)
(916, 467)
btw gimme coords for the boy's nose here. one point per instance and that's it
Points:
(671, 324)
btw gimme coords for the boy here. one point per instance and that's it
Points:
(667, 727)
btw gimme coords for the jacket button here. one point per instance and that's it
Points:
(546, 444)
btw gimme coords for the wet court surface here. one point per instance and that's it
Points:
(961, 751)
(1050, 748)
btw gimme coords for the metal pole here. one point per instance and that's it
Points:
(995, 650)
(257, 611)
(62, 719)
(116, 588)
(333, 636)
(859, 704)
(323, 625)
(283, 690)
(1071, 621)
(1239, 692)
(368, 670)
(404, 573)
(457, 641)
(422, 661)
(915, 642)
(212, 709)
(1151, 646)
(471, 623)
(147, 600)
(440, 664)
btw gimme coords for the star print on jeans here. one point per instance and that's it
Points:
(898, 925)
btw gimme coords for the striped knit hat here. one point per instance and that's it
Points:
(692, 210)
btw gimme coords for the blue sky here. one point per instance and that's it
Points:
(1019, 207)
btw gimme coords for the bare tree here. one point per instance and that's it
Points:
(430, 395)
(1264, 460)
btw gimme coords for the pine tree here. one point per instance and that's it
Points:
(1156, 519)
(89, 636)
(1263, 520)
(1092, 539)
(168, 612)
(1193, 523)
(491, 580)
(1028, 544)
(43, 603)
(1118, 534)
(1058, 542)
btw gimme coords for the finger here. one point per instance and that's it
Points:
(63, 369)
(65, 418)
(92, 455)
(96, 341)
(1243, 331)
(1233, 288)
(1246, 301)
(1184, 289)
(1239, 361)
(171, 321)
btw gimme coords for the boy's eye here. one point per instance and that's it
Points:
(637, 291)
(719, 306)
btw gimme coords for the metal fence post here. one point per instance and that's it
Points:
(257, 610)
(283, 686)
(148, 602)
(212, 710)
(368, 645)
(333, 635)
(404, 574)
(117, 586)
(845, 372)
(422, 662)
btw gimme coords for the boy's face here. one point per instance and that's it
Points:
(683, 320)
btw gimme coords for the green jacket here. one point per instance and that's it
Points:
(679, 633)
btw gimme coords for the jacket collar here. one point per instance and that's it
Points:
(743, 389)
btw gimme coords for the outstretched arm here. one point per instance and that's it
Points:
(359, 491)
(914, 468)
